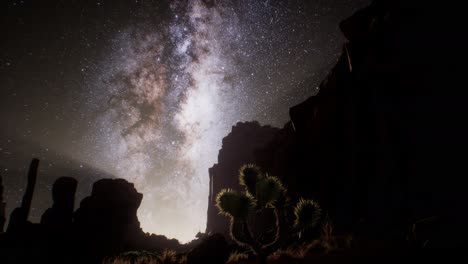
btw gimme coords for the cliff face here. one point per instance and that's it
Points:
(383, 134)
(378, 145)
(238, 148)
(2, 207)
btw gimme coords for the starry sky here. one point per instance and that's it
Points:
(146, 90)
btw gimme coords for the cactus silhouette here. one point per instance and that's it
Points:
(262, 191)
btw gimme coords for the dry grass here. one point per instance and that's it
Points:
(141, 257)
(133, 257)
(237, 257)
(328, 241)
(327, 244)
(289, 255)
(168, 257)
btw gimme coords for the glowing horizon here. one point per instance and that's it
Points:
(167, 115)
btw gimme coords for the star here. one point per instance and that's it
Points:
(146, 90)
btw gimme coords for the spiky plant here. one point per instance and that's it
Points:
(261, 191)
(269, 190)
(249, 175)
(235, 205)
(307, 214)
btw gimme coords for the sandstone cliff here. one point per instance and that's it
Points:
(379, 145)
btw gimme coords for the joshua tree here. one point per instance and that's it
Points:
(262, 191)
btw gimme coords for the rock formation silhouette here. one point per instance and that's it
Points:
(378, 146)
(105, 224)
(59, 216)
(238, 149)
(56, 223)
(19, 217)
(106, 221)
(2, 207)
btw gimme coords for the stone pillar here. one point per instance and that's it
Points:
(63, 194)
(19, 216)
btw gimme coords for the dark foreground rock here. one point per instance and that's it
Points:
(106, 222)
(211, 249)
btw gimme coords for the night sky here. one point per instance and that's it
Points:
(146, 90)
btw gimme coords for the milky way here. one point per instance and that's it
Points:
(168, 104)
(156, 85)
(173, 91)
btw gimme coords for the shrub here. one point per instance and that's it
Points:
(262, 191)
